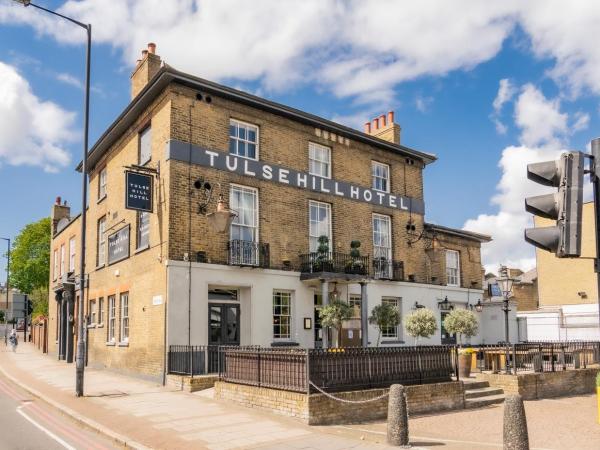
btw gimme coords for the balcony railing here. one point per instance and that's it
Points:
(248, 253)
(388, 269)
(334, 262)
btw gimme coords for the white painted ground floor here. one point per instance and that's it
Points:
(562, 323)
(219, 304)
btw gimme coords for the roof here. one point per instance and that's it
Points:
(64, 223)
(167, 75)
(458, 232)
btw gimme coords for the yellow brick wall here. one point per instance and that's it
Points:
(560, 279)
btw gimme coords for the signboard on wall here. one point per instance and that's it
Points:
(118, 245)
(138, 191)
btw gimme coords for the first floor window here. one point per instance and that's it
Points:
(62, 259)
(102, 177)
(319, 160)
(111, 318)
(391, 332)
(101, 250)
(381, 176)
(55, 265)
(143, 229)
(72, 254)
(244, 201)
(452, 268)
(319, 224)
(124, 316)
(92, 313)
(243, 139)
(145, 144)
(282, 315)
(100, 311)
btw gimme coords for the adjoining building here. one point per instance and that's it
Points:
(172, 270)
(568, 290)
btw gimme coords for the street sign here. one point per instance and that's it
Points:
(118, 245)
(138, 191)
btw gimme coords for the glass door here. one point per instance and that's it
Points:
(447, 338)
(223, 324)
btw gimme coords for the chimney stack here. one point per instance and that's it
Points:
(384, 127)
(59, 211)
(145, 69)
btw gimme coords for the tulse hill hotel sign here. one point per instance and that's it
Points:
(180, 151)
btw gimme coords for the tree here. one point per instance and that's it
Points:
(461, 322)
(30, 263)
(384, 316)
(333, 315)
(421, 324)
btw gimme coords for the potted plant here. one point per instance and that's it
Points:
(463, 323)
(323, 261)
(333, 315)
(422, 323)
(355, 265)
(384, 316)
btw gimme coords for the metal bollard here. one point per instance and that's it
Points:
(397, 420)
(515, 424)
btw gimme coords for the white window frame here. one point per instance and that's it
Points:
(313, 238)
(112, 319)
(124, 317)
(374, 176)
(453, 273)
(55, 265)
(397, 333)
(100, 311)
(72, 250)
(92, 313)
(245, 255)
(289, 316)
(312, 147)
(101, 239)
(355, 300)
(254, 226)
(62, 259)
(246, 126)
(383, 268)
(138, 232)
(142, 134)
(102, 183)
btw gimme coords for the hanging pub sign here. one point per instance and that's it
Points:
(138, 191)
(118, 245)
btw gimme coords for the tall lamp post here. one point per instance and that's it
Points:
(7, 284)
(506, 285)
(79, 360)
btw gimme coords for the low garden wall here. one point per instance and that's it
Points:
(532, 386)
(319, 409)
(191, 384)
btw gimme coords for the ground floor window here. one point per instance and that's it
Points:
(282, 315)
(391, 332)
(111, 318)
(92, 313)
(355, 301)
(101, 311)
(124, 317)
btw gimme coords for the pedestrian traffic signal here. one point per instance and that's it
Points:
(564, 206)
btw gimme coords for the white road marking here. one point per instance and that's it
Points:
(45, 430)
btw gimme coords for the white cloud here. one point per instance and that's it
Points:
(506, 91)
(33, 131)
(422, 103)
(69, 79)
(543, 128)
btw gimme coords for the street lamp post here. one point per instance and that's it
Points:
(7, 285)
(506, 284)
(79, 360)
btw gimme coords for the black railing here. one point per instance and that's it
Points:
(334, 262)
(248, 253)
(193, 360)
(388, 269)
(338, 369)
(538, 356)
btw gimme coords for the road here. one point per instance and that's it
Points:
(27, 423)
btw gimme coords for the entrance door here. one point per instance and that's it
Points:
(318, 329)
(447, 338)
(223, 324)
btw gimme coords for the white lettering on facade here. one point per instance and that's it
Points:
(247, 171)
(402, 205)
(323, 188)
(267, 172)
(367, 195)
(314, 185)
(283, 173)
(392, 200)
(302, 179)
(212, 156)
(228, 160)
(354, 191)
(337, 190)
(381, 196)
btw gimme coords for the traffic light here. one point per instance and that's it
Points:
(564, 206)
(29, 306)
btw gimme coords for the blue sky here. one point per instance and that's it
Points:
(439, 70)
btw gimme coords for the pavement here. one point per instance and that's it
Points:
(142, 415)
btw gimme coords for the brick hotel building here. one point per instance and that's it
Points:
(169, 277)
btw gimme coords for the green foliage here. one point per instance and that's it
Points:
(30, 257)
(462, 322)
(334, 314)
(323, 248)
(354, 249)
(598, 380)
(384, 316)
(39, 298)
(422, 323)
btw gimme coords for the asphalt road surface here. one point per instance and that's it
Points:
(27, 423)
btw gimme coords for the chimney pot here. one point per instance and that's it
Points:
(57, 201)
(375, 124)
(391, 117)
(382, 120)
(144, 53)
(367, 127)
(152, 47)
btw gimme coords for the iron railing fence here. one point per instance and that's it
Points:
(334, 262)
(240, 253)
(540, 356)
(338, 369)
(388, 269)
(194, 360)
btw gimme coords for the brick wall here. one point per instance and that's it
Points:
(318, 409)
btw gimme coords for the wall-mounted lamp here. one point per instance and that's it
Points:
(221, 219)
(417, 305)
(307, 323)
(479, 306)
(445, 305)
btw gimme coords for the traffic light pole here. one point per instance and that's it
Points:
(596, 180)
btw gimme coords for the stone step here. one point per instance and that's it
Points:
(484, 401)
(482, 392)
(475, 384)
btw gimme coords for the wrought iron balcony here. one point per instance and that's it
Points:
(334, 262)
(388, 269)
(248, 253)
